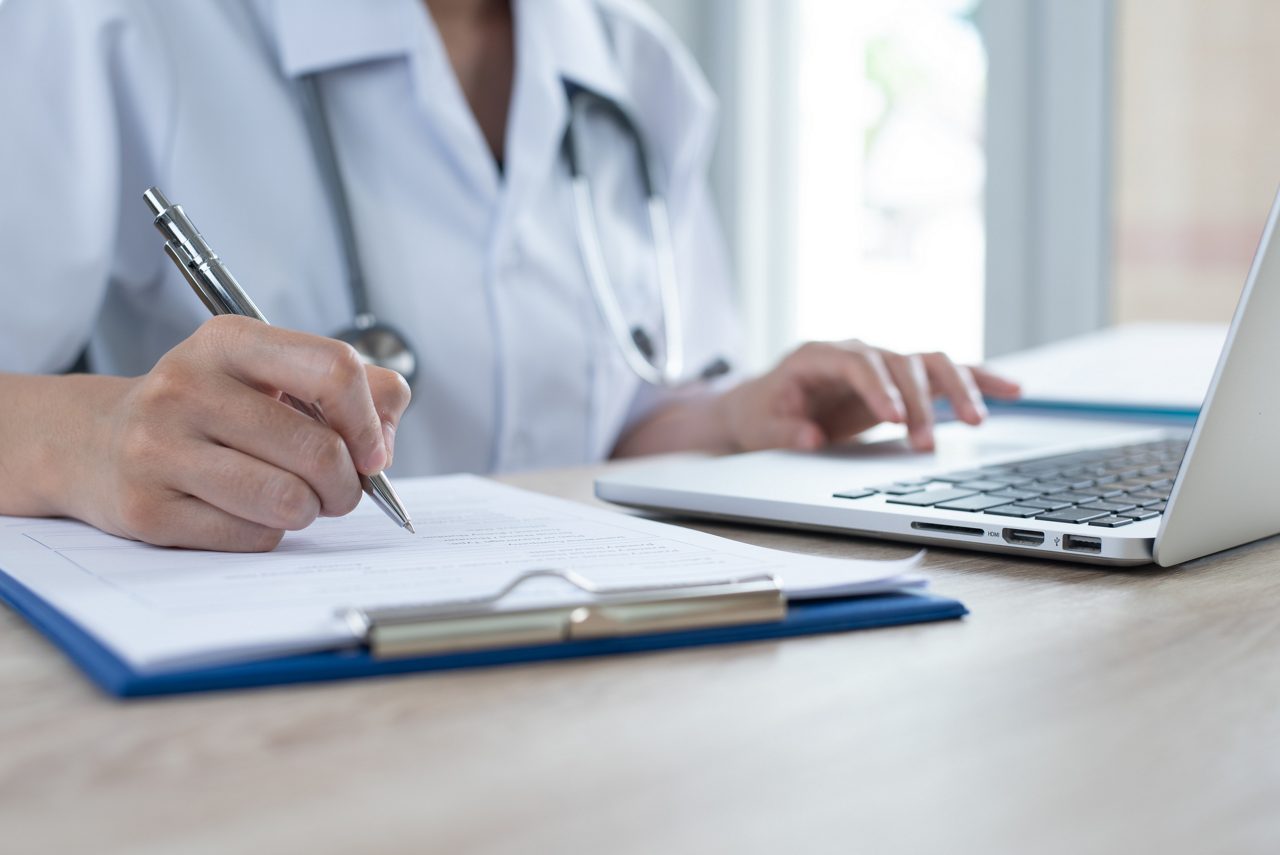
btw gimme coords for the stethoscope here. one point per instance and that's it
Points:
(385, 346)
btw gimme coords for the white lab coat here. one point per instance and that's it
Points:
(480, 267)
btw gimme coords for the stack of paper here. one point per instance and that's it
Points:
(1157, 367)
(166, 609)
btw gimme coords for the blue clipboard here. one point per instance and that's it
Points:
(116, 678)
(1134, 412)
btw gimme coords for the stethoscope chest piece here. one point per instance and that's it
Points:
(381, 345)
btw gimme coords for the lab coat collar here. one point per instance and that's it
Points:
(556, 41)
(318, 35)
(578, 45)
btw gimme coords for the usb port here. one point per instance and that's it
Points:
(1080, 543)
(1023, 536)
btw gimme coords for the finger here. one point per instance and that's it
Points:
(390, 398)
(189, 523)
(247, 488)
(956, 384)
(993, 385)
(859, 367)
(310, 368)
(283, 438)
(913, 382)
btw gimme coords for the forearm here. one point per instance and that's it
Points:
(698, 422)
(46, 425)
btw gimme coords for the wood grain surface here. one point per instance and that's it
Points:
(1075, 710)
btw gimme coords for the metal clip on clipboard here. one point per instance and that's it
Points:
(476, 624)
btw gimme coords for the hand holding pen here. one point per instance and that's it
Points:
(204, 452)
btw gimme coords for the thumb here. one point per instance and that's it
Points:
(798, 434)
(390, 397)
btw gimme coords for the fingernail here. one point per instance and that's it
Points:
(807, 439)
(375, 461)
(389, 437)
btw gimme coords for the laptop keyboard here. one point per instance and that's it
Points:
(1106, 487)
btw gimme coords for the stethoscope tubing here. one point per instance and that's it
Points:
(669, 371)
(666, 372)
(327, 161)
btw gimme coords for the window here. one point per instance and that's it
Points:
(887, 171)
(889, 168)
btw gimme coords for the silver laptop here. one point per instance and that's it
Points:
(1103, 492)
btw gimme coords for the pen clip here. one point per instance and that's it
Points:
(209, 296)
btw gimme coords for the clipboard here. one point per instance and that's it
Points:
(405, 640)
(1156, 414)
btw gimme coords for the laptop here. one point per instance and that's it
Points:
(1049, 486)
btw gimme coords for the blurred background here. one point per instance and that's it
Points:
(982, 176)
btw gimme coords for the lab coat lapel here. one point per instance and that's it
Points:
(671, 103)
(639, 68)
(538, 113)
(322, 35)
(440, 95)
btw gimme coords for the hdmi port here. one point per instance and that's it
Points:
(1023, 536)
(1080, 543)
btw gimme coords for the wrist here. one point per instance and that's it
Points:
(54, 436)
(723, 415)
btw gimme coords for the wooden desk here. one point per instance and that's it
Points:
(1075, 711)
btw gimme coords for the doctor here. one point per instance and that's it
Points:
(448, 239)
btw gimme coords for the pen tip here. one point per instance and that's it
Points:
(409, 526)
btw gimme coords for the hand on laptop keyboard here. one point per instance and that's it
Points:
(827, 392)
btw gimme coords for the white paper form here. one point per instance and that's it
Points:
(167, 609)
(1154, 365)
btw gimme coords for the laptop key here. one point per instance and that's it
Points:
(983, 486)
(1007, 480)
(1158, 507)
(1044, 504)
(1072, 515)
(931, 497)
(853, 494)
(1141, 514)
(1046, 487)
(1014, 493)
(979, 502)
(957, 477)
(1021, 511)
(1111, 522)
(898, 489)
(1111, 507)
(1043, 474)
(1073, 498)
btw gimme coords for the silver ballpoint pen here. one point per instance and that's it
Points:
(222, 295)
